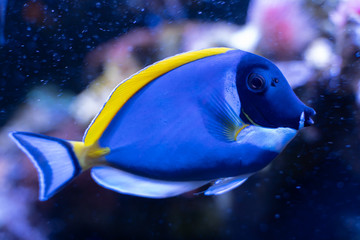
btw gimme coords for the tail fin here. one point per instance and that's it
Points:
(53, 158)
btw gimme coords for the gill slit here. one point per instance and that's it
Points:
(248, 118)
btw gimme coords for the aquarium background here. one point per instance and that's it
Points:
(59, 60)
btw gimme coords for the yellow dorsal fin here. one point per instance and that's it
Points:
(127, 88)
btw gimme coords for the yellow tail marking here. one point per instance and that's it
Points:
(98, 152)
(126, 89)
(88, 156)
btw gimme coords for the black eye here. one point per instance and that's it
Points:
(256, 82)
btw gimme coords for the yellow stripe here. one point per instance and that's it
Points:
(239, 130)
(126, 89)
(250, 120)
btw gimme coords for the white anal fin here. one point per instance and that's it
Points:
(224, 185)
(127, 183)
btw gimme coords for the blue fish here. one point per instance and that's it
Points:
(210, 117)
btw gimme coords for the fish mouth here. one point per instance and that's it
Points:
(305, 119)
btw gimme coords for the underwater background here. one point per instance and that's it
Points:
(59, 61)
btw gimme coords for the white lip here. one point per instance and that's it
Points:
(302, 120)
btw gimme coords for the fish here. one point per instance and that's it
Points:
(209, 118)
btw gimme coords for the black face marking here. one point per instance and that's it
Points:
(256, 83)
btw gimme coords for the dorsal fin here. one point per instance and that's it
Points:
(127, 88)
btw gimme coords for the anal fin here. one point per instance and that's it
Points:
(224, 185)
(127, 183)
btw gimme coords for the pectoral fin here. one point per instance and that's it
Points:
(221, 120)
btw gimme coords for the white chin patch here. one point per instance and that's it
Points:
(302, 120)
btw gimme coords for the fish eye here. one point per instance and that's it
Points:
(256, 82)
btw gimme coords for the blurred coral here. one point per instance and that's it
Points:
(285, 28)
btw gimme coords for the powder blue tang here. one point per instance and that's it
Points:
(211, 116)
